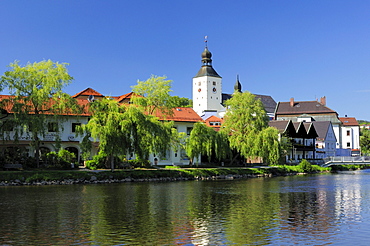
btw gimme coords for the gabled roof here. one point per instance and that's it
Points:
(294, 129)
(302, 107)
(127, 96)
(283, 126)
(310, 130)
(213, 119)
(349, 121)
(88, 92)
(322, 128)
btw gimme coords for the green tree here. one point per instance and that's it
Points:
(37, 98)
(177, 101)
(204, 140)
(153, 94)
(125, 128)
(365, 141)
(246, 124)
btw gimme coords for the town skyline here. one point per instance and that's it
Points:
(281, 49)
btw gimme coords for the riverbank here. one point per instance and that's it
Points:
(64, 177)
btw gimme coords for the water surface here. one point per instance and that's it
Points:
(296, 210)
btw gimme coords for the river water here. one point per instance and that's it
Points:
(328, 209)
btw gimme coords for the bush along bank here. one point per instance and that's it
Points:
(9, 178)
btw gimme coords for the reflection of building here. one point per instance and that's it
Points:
(63, 132)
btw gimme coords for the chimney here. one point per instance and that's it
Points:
(323, 100)
(291, 102)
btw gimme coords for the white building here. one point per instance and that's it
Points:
(208, 98)
(350, 132)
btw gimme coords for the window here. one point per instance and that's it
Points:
(52, 127)
(348, 133)
(348, 144)
(74, 125)
(188, 130)
(214, 82)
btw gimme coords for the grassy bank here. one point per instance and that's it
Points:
(139, 174)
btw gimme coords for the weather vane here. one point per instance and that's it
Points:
(205, 40)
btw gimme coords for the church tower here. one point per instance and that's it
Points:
(207, 87)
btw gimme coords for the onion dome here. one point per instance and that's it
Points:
(207, 69)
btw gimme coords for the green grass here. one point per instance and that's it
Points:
(55, 175)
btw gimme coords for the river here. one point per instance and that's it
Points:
(327, 209)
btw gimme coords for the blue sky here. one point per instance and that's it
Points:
(300, 49)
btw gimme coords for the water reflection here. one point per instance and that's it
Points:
(278, 211)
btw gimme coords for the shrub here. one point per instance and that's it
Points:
(305, 166)
(92, 165)
(62, 159)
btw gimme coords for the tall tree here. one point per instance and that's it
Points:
(37, 95)
(246, 123)
(125, 128)
(154, 94)
(204, 140)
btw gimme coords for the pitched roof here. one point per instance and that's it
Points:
(302, 107)
(322, 128)
(349, 121)
(268, 102)
(88, 92)
(127, 96)
(213, 119)
(181, 114)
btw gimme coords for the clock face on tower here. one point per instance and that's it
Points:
(214, 90)
(199, 90)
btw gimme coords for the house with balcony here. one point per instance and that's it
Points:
(300, 137)
(62, 134)
(317, 111)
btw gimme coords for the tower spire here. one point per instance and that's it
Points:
(237, 86)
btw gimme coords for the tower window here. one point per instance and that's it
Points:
(214, 82)
(199, 83)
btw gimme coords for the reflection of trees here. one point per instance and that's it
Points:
(253, 216)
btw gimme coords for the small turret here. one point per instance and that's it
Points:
(237, 86)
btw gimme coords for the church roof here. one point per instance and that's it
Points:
(268, 102)
(207, 71)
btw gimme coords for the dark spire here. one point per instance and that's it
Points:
(207, 69)
(237, 86)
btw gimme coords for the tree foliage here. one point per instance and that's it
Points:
(204, 140)
(246, 124)
(365, 141)
(37, 96)
(153, 94)
(124, 128)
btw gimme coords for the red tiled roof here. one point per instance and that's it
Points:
(127, 96)
(213, 118)
(181, 114)
(88, 92)
(349, 121)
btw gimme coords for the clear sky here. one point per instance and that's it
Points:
(281, 48)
